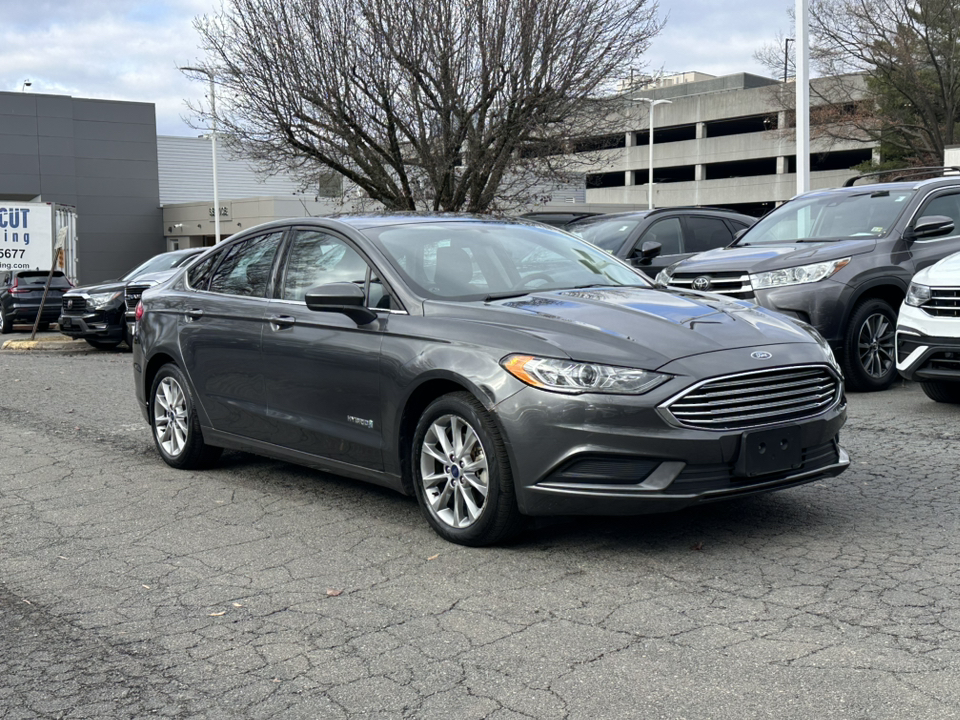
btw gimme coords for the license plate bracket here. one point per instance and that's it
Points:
(66, 322)
(769, 451)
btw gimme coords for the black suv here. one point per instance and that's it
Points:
(21, 292)
(97, 313)
(840, 260)
(653, 239)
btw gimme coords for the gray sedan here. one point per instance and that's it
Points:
(494, 369)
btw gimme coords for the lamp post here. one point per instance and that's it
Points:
(653, 104)
(213, 145)
(803, 96)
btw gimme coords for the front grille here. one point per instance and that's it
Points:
(735, 284)
(74, 304)
(754, 399)
(721, 476)
(132, 296)
(943, 302)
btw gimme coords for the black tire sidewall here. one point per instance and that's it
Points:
(857, 378)
(500, 504)
(942, 392)
(5, 326)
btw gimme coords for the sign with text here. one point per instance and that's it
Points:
(26, 240)
(224, 212)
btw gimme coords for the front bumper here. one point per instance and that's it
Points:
(820, 304)
(99, 325)
(928, 347)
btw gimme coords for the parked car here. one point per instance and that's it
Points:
(97, 313)
(21, 292)
(654, 239)
(493, 368)
(841, 260)
(928, 331)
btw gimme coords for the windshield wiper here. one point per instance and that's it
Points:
(506, 295)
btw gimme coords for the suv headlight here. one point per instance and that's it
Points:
(917, 294)
(101, 300)
(797, 275)
(567, 376)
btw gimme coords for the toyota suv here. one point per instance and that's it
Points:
(840, 260)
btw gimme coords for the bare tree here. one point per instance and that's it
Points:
(891, 74)
(422, 104)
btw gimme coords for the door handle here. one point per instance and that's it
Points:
(282, 321)
(194, 314)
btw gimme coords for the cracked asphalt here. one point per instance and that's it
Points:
(261, 589)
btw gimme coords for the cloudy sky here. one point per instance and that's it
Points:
(128, 50)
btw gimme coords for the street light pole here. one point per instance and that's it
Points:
(213, 145)
(653, 104)
(802, 48)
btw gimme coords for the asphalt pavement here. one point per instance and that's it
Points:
(260, 589)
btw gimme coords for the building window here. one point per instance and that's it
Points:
(740, 125)
(740, 168)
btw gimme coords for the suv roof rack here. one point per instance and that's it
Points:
(691, 207)
(902, 173)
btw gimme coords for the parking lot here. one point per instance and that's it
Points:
(265, 590)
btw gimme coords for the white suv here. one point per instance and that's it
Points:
(928, 331)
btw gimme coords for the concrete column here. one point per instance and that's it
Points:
(699, 172)
(701, 130)
(630, 178)
(631, 139)
(782, 165)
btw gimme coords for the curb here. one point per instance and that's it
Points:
(47, 344)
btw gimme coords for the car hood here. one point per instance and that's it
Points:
(636, 327)
(156, 278)
(945, 273)
(105, 287)
(758, 258)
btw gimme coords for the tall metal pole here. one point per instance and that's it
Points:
(786, 56)
(653, 104)
(803, 96)
(213, 145)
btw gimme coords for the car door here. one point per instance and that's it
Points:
(323, 370)
(220, 322)
(667, 231)
(926, 251)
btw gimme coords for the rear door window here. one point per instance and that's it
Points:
(706, 233)
(246, 268)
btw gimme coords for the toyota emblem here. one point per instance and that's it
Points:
(702, 283)
(761, 355)
(69, 304)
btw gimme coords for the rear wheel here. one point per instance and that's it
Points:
(870, 346)
(942, 392)
(461, 473)
(176, 429)
(5, 326)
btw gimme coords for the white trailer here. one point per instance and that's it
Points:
(31, 233)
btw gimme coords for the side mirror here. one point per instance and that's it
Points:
(931, 226)
(739, 234)
(648, 251)
(342, 297)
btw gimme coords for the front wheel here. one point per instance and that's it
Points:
(461, 473)
(941, 392)
(176, 429)
(870, 346)
(102, 344)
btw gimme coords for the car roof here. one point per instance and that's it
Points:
(949, 180)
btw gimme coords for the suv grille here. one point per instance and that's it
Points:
(132, 296)
(943, 302)
(74, 303)
(736, 284)
(753, 399)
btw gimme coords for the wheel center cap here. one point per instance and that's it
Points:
(455, 471)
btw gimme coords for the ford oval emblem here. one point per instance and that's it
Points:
(761, 355)
(701, 283)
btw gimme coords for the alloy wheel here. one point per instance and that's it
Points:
(876, 344)
(454, 471)
(170, 416)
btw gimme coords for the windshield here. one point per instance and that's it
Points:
(607, 233)
(830, 216)
(159, 263)
(470, 260)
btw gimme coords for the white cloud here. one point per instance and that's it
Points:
(129, 50)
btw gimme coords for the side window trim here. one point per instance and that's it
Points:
(371, 267)
(222, 253)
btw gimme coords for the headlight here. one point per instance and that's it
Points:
(917, 295)
(567, 376)
(797, 275)
(99, 300)
(822, 342)
(663, 278)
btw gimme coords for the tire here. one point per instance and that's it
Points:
(942, 392)
(43, 327)
(869, 348)
(102, 344)
(451, 499)
(6, 327)
(175, 427)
